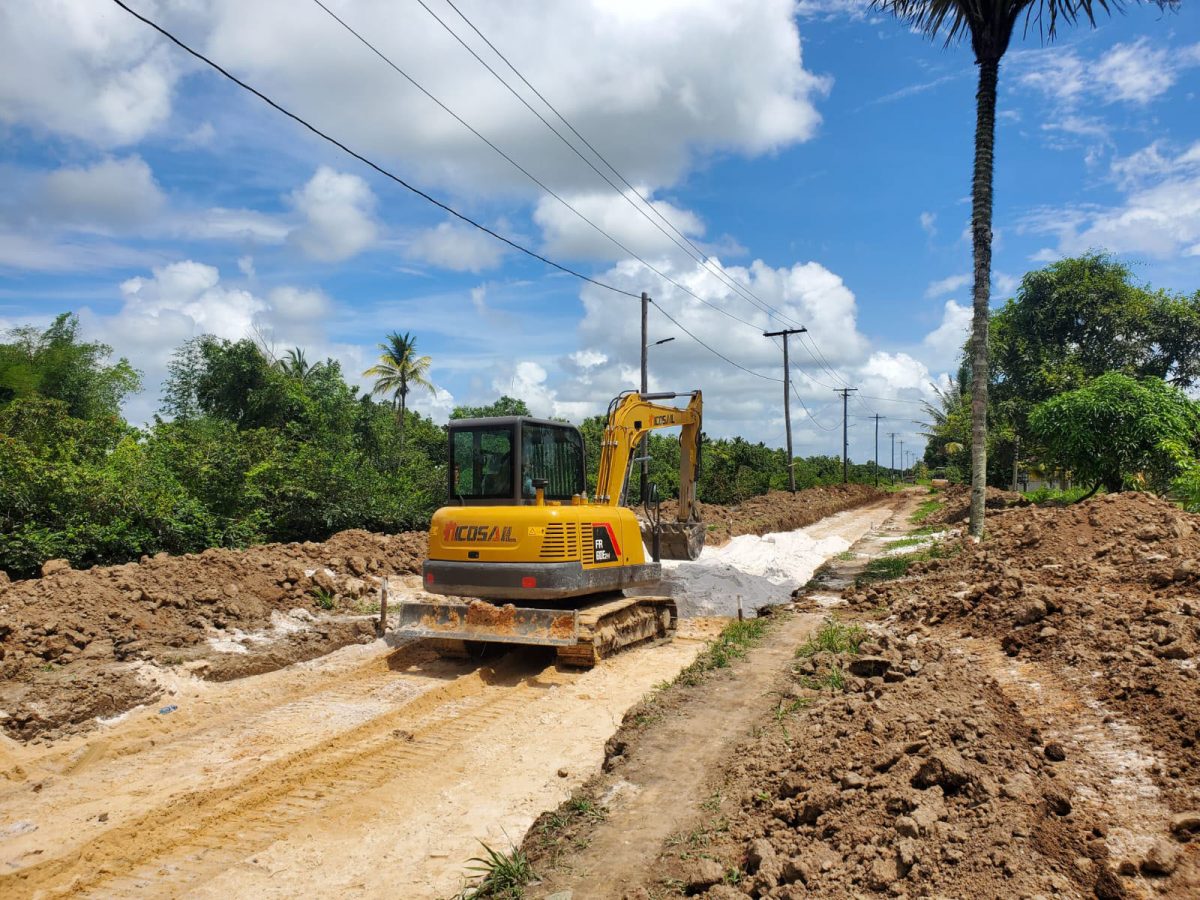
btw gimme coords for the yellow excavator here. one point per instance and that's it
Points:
(525, 557)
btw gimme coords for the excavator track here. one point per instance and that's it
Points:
(613, 624)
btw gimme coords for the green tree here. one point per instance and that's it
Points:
(398, 371)
(989, 25)
(55, 364)
(1117, 431)
(505, 406)
(294, 364)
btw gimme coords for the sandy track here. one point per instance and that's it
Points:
(373, 771)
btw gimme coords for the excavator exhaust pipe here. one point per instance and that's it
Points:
(675, 540)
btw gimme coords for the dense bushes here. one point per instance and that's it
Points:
(253, 450)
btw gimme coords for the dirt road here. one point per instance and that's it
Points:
(372, 771)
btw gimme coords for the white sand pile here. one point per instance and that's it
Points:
(760, 570)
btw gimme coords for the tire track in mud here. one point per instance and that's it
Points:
(1113, 765)
(199, 833)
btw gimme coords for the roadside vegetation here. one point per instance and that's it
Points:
(251, 446)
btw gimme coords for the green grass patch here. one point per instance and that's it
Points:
(323, 598)
(925, 510)
(887, 568)
(906, 542)
(1050, 495)
(732, 643)
(834, 636)
(501, 876)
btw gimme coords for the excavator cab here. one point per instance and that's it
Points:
(496, 461)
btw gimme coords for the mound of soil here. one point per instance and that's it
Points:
(918, 780)
(957, 500)
(777, 510)
(69, 641)
(1107, 591)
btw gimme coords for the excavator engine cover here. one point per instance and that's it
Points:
(676, 540)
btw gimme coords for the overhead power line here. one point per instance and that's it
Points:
(694, 251)
(415, 190)
(378, 168)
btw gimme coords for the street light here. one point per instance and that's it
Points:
(664, 341)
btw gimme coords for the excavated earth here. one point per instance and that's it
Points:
(777, 510)
(76, 646)
(1019, 720)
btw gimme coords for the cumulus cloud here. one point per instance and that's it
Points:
(566, 234)
(111, 194)
(84, 70)
(1160, 215)
(459, 248)
(929, 223)
(337, 210)
(946, 341)
(627, 76)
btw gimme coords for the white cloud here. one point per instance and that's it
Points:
(628, 76)
(459, 248)
(565, 234)
(337, 209)
(947, 285)
(1159, 217)
(1137, 72)
(945, 342)
(929, 223)
(85, 70)
(111, 194)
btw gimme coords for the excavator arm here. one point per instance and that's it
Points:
(630, 417)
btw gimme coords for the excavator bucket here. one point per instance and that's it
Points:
(478, 620)
(676, 540)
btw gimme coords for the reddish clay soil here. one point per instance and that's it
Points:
(778, 510)
(957, 499)
(71, 642)
(1107, 589)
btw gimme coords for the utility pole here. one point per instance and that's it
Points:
(787, 400)
(845, 392)
(877, 417)
(892, 470)
(1016, 459)
(902, 460)
(643, 449)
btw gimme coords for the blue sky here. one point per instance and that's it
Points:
(821, 153)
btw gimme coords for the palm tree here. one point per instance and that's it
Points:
(989, 24)
(295, 365)
(399, 369)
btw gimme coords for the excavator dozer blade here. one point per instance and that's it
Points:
(677, 540)
(481, 621)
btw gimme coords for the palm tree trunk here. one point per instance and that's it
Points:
(981, 236)
(403, 406)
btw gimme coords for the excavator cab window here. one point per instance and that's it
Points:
(554, 453)
(498, 460)
(483, 463)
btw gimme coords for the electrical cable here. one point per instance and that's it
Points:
(696, 253)
(382, 171)
(400, 181)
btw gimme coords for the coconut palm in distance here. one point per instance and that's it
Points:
(398, 371)
(294, 364)
(989, 25)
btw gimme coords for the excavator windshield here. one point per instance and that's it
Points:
(497, 460)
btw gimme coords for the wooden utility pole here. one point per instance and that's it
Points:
(892, 470)
(877, 417)
(902, 460)
(845, 392)
(787, 400)
(643, 447)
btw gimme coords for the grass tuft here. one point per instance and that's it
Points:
(502, 876)
(323, 598)
(925, 510)
(835, 637)
(732, 643)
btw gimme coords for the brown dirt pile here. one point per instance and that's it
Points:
(777, 511)
(957, 500)
(68, 641)
(1106, 591)
(919, 779)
